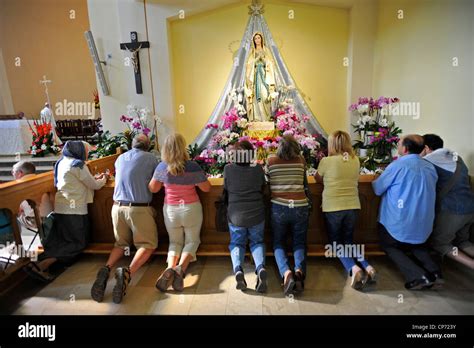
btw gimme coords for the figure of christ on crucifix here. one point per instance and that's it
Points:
(134, 48)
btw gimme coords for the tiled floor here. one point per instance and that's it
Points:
(210, 289)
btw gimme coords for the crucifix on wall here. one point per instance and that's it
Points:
(134, 48)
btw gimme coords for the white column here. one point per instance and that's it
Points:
(363, 26)
(161, 67)
(111, 22)
(6, 102)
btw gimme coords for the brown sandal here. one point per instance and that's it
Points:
(178, 281)
(165, 279)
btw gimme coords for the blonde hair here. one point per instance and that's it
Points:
(339, 143)
(175, 154)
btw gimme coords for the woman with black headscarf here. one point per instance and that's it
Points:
(75, 189)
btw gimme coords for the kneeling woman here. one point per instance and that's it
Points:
(244, 184)
(290, 211)
(340, 174)
(75, 189)
(182, 210)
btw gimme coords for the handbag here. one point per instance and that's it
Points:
(222, 224)
(307, 192)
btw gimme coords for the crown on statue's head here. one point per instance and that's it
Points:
(256, 8)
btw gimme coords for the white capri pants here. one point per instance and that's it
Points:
(183, 223)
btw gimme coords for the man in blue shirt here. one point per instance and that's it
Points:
(133, 217)
(408, 190)
(455, 203)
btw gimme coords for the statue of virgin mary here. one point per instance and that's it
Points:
(260, 81)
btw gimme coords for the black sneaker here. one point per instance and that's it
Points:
(419, 284)
(98, 288)
(122, 276)
(437, 279)
(299, 281)
(289, 285)
(261, 281)
(240, 279)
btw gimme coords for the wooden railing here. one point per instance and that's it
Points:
(216, 243)
(14, 192)
(213, 242)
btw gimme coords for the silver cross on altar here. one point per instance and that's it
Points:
(45, 83)
(256, 8)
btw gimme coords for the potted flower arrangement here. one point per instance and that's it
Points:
(137, 121)
(42, 137)
(96, 101)
(233, 129)
(95, 94)
(378, 136)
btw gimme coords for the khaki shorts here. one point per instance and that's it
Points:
(135, 225)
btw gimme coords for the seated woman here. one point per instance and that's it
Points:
(244, 184)
(75, 189)
(290, 211)
(340, 174)
(182, 210)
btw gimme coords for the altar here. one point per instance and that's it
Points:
(15, 137)
(213, 242)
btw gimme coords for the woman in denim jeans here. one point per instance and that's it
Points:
(290, 211)
(244, 183)
(340, 174)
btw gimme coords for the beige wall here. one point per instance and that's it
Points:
(313, 45)
(413, 60)
(409, 58)
(49, 43)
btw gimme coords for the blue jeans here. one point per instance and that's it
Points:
(238, 244)
(295, 220)
(340, 226)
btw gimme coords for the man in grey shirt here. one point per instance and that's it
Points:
(133, 217)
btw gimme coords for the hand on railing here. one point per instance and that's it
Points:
(102, 175)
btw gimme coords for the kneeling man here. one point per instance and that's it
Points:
(133, 217)
(407, 209)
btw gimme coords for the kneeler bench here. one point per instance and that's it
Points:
(213, 243)
(220, 250)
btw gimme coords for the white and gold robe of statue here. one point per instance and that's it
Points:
(260, 83)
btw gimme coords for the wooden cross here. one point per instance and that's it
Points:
(134, 47)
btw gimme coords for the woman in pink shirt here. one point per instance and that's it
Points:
(182, 210)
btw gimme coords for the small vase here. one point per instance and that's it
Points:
(367, 137)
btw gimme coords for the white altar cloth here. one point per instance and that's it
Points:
(15, 137)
